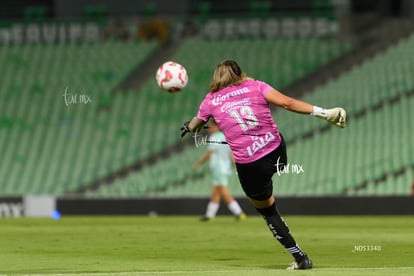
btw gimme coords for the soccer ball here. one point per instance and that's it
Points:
(171, 77)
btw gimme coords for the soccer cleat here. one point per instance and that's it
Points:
(306, 263)
(240, 217)
(204, 219)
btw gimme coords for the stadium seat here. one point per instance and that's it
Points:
(60, 148)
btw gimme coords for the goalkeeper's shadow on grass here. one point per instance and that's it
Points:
(281, 267)
(246, 265)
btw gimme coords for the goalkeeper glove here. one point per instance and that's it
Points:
(185, 129)
(336, 116)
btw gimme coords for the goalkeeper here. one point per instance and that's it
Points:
(240, 106)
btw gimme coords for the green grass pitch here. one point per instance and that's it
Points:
(181, 245)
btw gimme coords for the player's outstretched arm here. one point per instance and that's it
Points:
(277, 98)
(206, 156)
(336, 116)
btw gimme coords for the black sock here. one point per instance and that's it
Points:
(281, 231)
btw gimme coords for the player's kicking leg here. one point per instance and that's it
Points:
(280, 230)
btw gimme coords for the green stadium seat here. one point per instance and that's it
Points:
(74, 145)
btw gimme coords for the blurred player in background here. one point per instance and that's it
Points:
(221, 163)
(240, 106)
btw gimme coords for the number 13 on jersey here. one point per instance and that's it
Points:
(245, 117)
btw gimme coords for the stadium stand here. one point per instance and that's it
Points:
(372, 156)
(378, 101)
(52, 143)
(51, 146)
(163, 113)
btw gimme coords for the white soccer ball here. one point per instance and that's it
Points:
(171, 77)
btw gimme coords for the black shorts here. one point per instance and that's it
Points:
(256, 177)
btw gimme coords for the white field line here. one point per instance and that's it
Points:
(215, 272)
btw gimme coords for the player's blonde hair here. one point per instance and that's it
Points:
(226, 73)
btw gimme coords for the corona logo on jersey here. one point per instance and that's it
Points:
(217, 100)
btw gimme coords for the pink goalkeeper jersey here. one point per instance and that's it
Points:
(244, 116)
